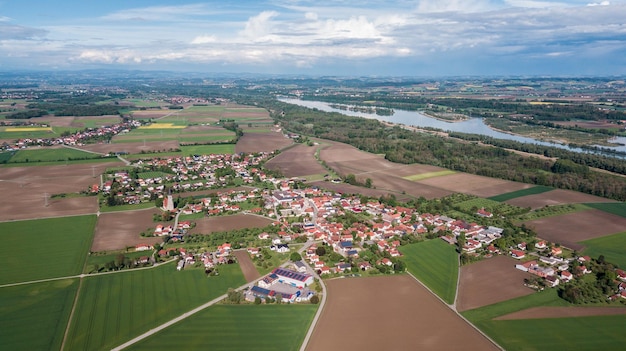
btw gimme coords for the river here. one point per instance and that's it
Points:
(472, 125)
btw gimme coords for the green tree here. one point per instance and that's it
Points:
(314, 299)
(295, 257)
(320, 251)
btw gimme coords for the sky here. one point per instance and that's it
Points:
(322, 37)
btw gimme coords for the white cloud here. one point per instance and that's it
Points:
(260, 25)
(433, 6)
(159, 13)
(535, 4)
(204, 39)
(603, 3)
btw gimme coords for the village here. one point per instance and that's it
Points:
(369, 244)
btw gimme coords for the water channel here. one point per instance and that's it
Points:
(472, 125)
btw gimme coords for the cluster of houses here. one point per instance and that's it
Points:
(189, 173)
(76, 139)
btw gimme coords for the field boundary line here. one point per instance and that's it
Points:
(69, 321)
(453, 308)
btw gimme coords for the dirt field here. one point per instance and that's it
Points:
(297, 161)
(223, 223)
(490, 281)
(385, 175)
(571, 228)
(390, 313)
(118, 230)
(132, 147)
(255, 142)
(588, 124)
(346, 188)
(247, 267)
(31, 184)
(474, 184)
(555, 197)
(147, 114)
(562, 312)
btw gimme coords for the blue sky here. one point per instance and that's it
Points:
(340, 37)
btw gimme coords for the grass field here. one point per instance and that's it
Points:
(418, 177)
(496, 207)
(45, 248)
(154, 174)
(435, 264)
(550, 211)
(208, 149)
(538, 189)
(227, 327)
(115, 308)
(613, 247)
(34, 316)
(616, 208)
(46, 155)
(580, 333)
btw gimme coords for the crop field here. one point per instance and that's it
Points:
(15, 133)
(117, 230)
(613, 247)
(434, 263)
(417, 177)
(578, 333)
(132, 147)
(34, 316)
(208, 149)
(555, 197)
(232, 327)
(161, 126)
(50, 154)
(570, 229)
(490, 281)
(45, 248)
(405, 314)
(256, 142)
(489, 205)
(537, 189)
(385, 175)
(298, 161)
(616, 208)
(27, 129)
(474, 184)
(224, 223)
(114, 308)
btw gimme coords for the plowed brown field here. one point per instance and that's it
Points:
(555, 197)
(490, 281)
(223, 223)
(256, 142)
(118, 230)
(390, 313)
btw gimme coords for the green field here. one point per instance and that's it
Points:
(153, 174)
(101, 260)
(436, 264)
(232, 327)
(537, 189)
(418, 177)
(498, 208)
(616, 208)
(45, 248)
(47, 154)
(613, 247)
(34, 316)
(114, 308)
(551, 211)
(208, 149)
(580, 333)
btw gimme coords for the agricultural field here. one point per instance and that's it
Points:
(256, 142)
(613, 247)
(411, 318)
(114, 308)
(489, 281)
(537, 189)
(297, 161)
(473, 184)
(385, 175)
(418, 177)
(555, 197)
(247, 266)
(208, 149)
(436, 264)
(49, 154)
(223, 223)
(616, 208)
(118, 230)
(14, 133)
(34, 316)
(577, 333)
(237, 327)
(152, 174)
(570, 229)
(45, 248)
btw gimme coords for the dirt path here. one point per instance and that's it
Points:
(247, 267)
